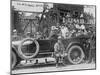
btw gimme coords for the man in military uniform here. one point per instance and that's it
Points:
(59, 51)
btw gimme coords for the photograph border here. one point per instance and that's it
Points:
(57, 3)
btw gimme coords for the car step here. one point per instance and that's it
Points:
(37, 61)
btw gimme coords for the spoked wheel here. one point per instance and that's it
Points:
(13, 60)
(75, 54)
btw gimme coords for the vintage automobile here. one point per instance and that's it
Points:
(76, 48)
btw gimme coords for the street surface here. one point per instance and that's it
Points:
(52, 67)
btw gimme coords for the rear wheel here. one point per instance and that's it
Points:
(75, 54)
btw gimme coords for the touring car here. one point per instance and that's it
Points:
(76, 49)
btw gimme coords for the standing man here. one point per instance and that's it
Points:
(92, 51)
(59, 51)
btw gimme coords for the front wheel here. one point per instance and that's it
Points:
(75, 54)
(28, 48)
(13, 59)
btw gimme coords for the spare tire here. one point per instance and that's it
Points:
(28, 48)
(75, 54)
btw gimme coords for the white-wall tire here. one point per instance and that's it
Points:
(13, 59)
(34, 54)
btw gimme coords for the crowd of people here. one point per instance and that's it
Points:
(64, 31)
(66, 28)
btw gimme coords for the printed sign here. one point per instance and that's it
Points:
(28, 6)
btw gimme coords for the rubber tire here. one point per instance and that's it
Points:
(28, 57)
(14, 57)
(82, 54)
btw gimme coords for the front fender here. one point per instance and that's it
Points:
(73, 43)
(14, 49)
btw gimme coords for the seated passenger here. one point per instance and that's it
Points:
(65, 32)
(81, 30)
(53, 33)
(38, 35)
